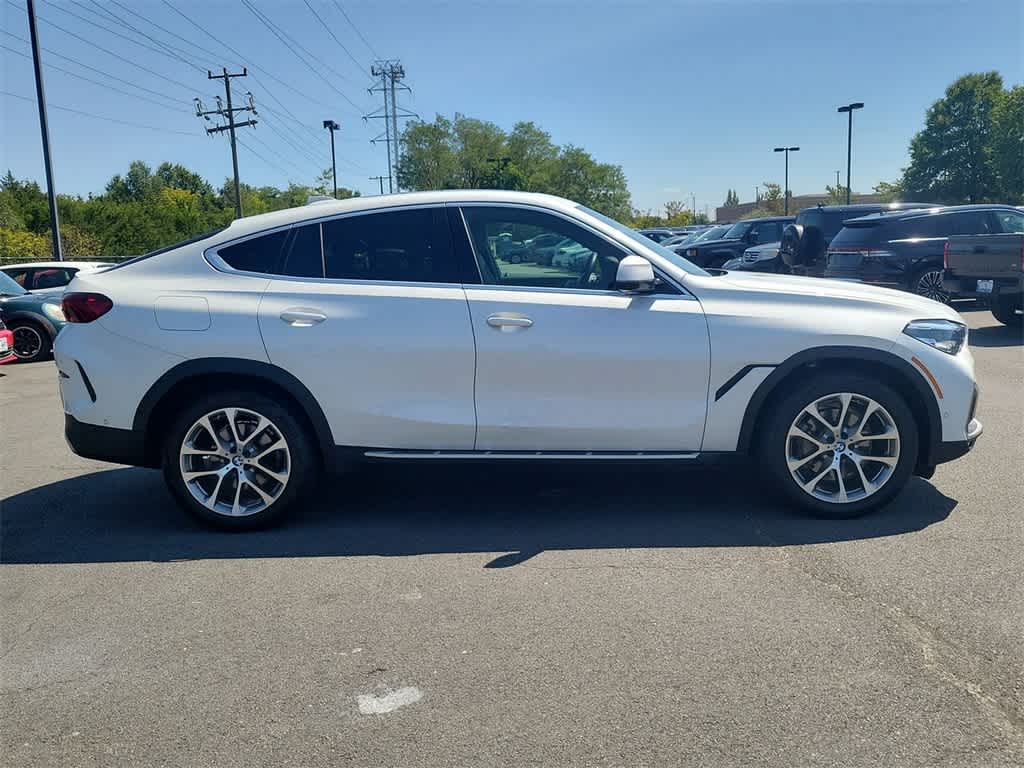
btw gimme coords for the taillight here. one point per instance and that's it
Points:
(945, 255)
(85, 307)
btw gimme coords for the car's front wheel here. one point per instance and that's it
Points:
(840, 445)
(237, 459)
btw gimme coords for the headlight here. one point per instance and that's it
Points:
(946, 335)
(691, 253)
(54, 312)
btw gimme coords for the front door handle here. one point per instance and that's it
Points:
(509, 321)
(298, 317)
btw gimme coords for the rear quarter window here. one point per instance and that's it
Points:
(257, 254)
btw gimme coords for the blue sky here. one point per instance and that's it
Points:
(688, 97)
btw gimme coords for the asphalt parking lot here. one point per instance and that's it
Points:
(457, 617)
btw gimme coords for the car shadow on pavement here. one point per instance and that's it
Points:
(996, 336)
(512, 512)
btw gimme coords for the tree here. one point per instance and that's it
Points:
(836, 194)
(951, 158)
(771, 200)
(888, 191)
(1006, 152)
(731, 199)
(466, 153)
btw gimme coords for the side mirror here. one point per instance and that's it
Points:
(634, 275)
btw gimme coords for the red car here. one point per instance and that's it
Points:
(6, 345)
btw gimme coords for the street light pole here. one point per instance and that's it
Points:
(332, 126)
(785, 189)
(848, 109)
(44, 128)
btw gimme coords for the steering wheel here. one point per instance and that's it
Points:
(584, 278)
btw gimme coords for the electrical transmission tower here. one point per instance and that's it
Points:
(227, 111)
(391, 74)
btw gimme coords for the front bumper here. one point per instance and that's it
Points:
(118, 446)
(948, 451)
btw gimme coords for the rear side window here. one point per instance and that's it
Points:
(51, 277)
(396, 246)
(972, 223)
(858, 236)
(920, 227)
(304, 257)
(257, 254)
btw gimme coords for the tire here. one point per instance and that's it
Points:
(815, 464)
(32, 339)
(232, 485)
(1004, 309)
(928, 283)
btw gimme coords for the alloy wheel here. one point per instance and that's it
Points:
(27, 342)
(842, 447)
(235, 462)
(929, 285)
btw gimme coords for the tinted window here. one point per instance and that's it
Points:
(922, 227)
(514, 247)
(404, 246)
(17, 275)
(1010, 221)
(304, 257)
(51, 277)
(257, 254)
(829, 222)
(768, 232)
(972, 223)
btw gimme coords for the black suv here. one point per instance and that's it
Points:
(739, 237)
(805, 242)
(905, 249)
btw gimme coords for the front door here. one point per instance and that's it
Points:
(371, 316)
(566, 363)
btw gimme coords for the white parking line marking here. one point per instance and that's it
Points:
(371, 704)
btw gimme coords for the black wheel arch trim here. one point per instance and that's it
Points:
(824, 354)
(10, 318)
(737, 377)
(235, 366)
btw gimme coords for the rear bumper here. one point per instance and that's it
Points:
(968, 286)
(118, 446)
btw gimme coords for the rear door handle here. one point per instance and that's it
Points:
(299, 317)
(504, 321)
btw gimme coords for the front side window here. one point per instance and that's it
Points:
(411, 245)
(1010, 221)
(525, 247)
(971, 223)
(768, 232)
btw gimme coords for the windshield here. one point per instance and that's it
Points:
(737, 230)
(8, 287)
(829, 222)
(646, 242)
(710, 234)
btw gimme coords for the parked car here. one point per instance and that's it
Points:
(49, 276)
(6, 345)
(739, 237)
(383, 328)
(905, 249)
(805, 242)
(989, 267)
(33, 319)
(760, 258)
(657, 234)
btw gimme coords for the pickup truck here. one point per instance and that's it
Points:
(988, 267)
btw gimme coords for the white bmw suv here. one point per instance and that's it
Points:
(246, 361)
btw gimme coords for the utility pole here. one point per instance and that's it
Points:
(837, 180)
(44, 129)
(381, 180)
(849, 109)
(785, 189)
(332, 126)
(693, 201)
(228, 114)
(391, 74)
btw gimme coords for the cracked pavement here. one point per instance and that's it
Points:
(563, 616)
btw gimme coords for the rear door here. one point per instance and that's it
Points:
(371, 316)
(566, 363)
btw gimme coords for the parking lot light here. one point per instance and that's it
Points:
(848, 109)
(785, 188)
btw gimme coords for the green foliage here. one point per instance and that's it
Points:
(836, 194)
(466, 153)
(771, 203)
(676, 214)
(1006, 150)
(888, 191)
(955, 159)
(138, 212)
(731, 199)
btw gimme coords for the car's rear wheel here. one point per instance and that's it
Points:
(928, 283)
(840, 445)
(1007, 309)
(31, 341)
(238, 460)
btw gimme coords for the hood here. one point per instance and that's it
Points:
(711, 243)
(30, 298)
(837, 292)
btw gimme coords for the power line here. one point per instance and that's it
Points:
(331, 33)
(178, 53)
(96, 82)
(98, 71)
(101, 117)
(352, 24)
(287, 173)
(110, 52)
(283, 37)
